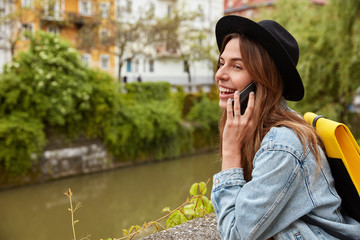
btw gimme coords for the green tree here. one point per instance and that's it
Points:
(47, 87)
(329, 41)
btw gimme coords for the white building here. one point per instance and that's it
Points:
(5, 31)
(170, 67)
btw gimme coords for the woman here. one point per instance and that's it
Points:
(275, 180)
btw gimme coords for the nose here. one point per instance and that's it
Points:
(221, 74)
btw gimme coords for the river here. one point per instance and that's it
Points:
(112, 200)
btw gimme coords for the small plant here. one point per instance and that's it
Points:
(72, 210)
(198, 205)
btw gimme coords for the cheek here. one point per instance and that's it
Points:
(241, 82)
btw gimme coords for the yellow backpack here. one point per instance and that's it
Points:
(343, 154)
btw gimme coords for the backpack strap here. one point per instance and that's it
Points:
(315, 120)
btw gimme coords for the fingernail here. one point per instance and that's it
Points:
(229, 99)
(236, 92)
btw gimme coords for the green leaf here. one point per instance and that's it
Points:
(193, 189)
(203, 188)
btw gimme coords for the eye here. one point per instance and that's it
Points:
(237, 67)
(220, 64)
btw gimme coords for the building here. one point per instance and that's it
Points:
(249, 8)
(245, 8)
(104, 32)
(5, 48)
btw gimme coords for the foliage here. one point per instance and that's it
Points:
(147, 91)
(48, 87)
(330, 53)
(198, 205)
(49, 82)
(206, 113)
(144, 129)
(21, 139)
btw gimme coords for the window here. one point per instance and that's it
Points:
(129, 6)
(86, 59)
(151, 37)
(152, 8)
(169, 8)
(104, 36)
(137, 65)
(85, 7)
(52, 8)
(104, 9)
(26, 3)
(54, 29)
(128, 65)
(118, 9)
(128, 36)
(104, 61)
(151, 65)
(201, 13)
(2, 8)
(27, 28)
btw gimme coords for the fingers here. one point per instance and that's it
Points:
(233, 107)
(229, 109)
(250, 105)
(237, 112)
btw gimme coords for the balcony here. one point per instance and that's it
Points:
(52, 16)
(75, 18)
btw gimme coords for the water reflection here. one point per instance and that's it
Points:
(112, 200)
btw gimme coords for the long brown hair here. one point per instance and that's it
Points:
(269, 110)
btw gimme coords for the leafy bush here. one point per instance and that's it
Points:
(206, 113)
(21, 137)
(49, 82)
(48, 87)
(148, 129)
(148, 91)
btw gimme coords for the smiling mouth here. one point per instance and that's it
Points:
(226, 90)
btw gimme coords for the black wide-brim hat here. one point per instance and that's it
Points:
(276, 40)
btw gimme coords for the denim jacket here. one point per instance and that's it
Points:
(287, 190)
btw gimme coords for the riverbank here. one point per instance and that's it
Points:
(74, 166)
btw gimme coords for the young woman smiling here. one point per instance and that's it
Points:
(275, 180)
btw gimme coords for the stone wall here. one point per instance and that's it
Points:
(77, 158)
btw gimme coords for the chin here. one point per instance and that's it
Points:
(223, 104)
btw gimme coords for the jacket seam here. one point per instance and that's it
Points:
(279, 198)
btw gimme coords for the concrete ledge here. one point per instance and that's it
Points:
(197, 229)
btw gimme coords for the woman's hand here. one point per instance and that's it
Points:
(235, 130)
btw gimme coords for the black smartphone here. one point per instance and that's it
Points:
(244, 96)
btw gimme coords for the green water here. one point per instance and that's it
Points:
(112, 200)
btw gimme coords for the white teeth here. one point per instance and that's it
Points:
(226, 90)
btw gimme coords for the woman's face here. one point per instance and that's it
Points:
(231, 75)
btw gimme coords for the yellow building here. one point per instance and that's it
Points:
(82, 22)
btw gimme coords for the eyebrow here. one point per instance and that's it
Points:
(232, 59)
